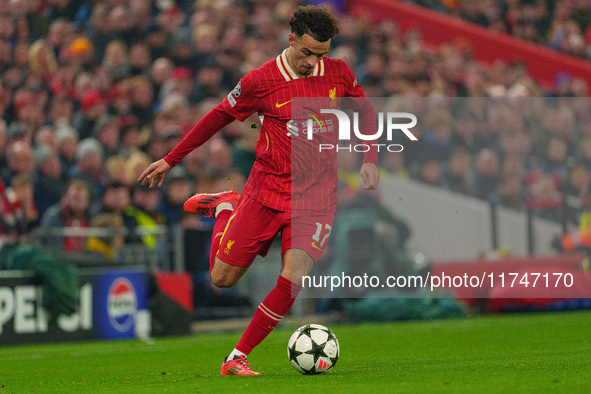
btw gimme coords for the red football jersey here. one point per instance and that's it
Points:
(290, 174)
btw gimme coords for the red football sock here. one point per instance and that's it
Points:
(268, 314)
(221, 220)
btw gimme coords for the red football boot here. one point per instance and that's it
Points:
(205, 204)
(237, 366)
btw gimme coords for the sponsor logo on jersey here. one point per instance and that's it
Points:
(121, 304)
(231, 100)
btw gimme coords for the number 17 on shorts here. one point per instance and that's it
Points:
(311, 233)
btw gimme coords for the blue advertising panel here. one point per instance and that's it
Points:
(119, 296)
(113, 304)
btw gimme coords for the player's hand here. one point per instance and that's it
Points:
(370, 175)
(154, 173)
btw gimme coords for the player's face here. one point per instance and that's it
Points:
(305, 52)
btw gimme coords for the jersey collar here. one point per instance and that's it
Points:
(289, 74)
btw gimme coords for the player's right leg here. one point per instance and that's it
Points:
(221, 207)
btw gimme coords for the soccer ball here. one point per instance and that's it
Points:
(313, 349)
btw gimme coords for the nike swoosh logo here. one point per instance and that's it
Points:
(277, 105)
(314, 246)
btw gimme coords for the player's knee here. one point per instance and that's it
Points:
(221, 277)
(222, 281)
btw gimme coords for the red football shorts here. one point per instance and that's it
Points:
(252, 229)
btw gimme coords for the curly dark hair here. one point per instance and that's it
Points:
(317, 22)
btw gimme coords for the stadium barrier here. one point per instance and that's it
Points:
(487, 46)
(167, 253)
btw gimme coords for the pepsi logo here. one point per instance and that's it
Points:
(121, 304)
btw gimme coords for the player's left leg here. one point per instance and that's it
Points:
(301, 247)
(296, 263)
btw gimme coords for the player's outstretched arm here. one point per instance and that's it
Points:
(154, 173)
(370, 175)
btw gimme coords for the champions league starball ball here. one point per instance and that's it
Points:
(313, 349)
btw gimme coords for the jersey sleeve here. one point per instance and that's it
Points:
(243, 100)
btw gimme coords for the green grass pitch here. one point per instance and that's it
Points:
(506, 353)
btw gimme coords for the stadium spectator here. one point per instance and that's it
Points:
(486, 175)
(67, 144)
(513, 163)
(92, 106)
(106, 131)
(130, 135)
(119, 98)
(511, 192)
(157, 39)
(177, 190)
(436, 135)
(116, 59)
(51, 179)
(134, 166)
(458, 172)
(114, 200)
(140, 59)
(115, 168)
(160, 72)
(70, 212)
(81, 51)
(19, 160)
(143, 217)
(28, 112)
(89, 166)
(21, 194)
(220, 156)
(142, 95)
(42, 61)
(110, 245)
(121, 24)
(430, 171)
(575, 189)
(45, 138)
(544, 179)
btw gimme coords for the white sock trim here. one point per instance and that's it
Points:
(222, 206)
(235, 353)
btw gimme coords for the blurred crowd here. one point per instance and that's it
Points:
(92, 92)
(563, 25)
